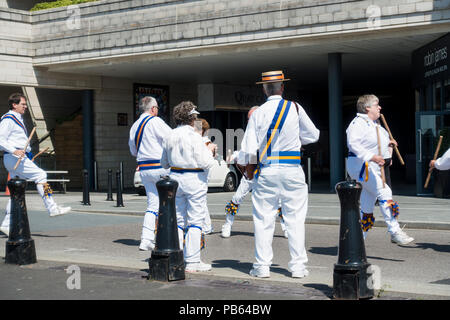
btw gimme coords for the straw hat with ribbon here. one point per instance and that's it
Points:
(272, 76)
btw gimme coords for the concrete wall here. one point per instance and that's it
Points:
(112, 28)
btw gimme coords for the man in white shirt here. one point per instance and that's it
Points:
(146, 138)
(442, 163)
(364, 163)
(274, 135)
(187, 156)
(13, 139)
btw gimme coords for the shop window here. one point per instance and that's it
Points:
(447, 94)
(437, 95)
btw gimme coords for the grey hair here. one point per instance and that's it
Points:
(364, 102)
(146, 103)
(272, 88)
(181, 113)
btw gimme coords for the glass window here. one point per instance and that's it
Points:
(437, 96)
(447, 94)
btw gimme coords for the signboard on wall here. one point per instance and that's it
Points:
(160, 93)
(432, 62)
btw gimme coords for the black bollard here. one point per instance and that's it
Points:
(109, 196)
(20, 247)
(351, 279)
(86, 200)
(167, 260)
(119, 202)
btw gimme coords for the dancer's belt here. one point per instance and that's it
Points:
(28, 154)
(184, 170)
(364, 168)
(149, 165)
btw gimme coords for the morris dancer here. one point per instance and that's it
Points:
(364, 163)
(13, 138)
(146, 137)
(187, 156)
(276, 132)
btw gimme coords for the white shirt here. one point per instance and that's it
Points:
(155, 132)
(443, 163)
(298, 130)
(362, 138)
(12, 136)
(185, 149)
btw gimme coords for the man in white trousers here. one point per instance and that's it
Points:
(187, 156)
(146, 137)
(13, 139)
(274, 135)
(364, 165)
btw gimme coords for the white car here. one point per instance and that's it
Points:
(220, 175)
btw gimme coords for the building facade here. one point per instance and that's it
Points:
(83, 67)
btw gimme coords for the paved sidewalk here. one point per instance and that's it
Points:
(324, 208)
(111, 237)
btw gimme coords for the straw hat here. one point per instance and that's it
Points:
(272, 76)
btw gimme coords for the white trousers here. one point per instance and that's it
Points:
(373, 190)
(149, 179)
(27, 170)
(190, 205)
(244, 188)
(286, 185)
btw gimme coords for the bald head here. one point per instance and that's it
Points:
(251, 111)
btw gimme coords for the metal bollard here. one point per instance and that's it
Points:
(119, 202)
(109, 196)
(351, 279)
(20, 247)
(86, 200)
(167, 260)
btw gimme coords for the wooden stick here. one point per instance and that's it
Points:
(26, 146)
(41, 152)
(435, 157)
(383, 177)
(397, 152)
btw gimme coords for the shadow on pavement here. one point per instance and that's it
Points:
(128, 242)
(326, 290)
(434, 246)
(46, 236)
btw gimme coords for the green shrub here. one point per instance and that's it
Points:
(56, 4)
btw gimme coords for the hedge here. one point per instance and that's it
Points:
(56, 4)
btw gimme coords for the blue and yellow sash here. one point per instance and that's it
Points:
(275, 127)
(140, 132)
(364, 172)
(149, 165)
(290, 157)
(17, 121)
